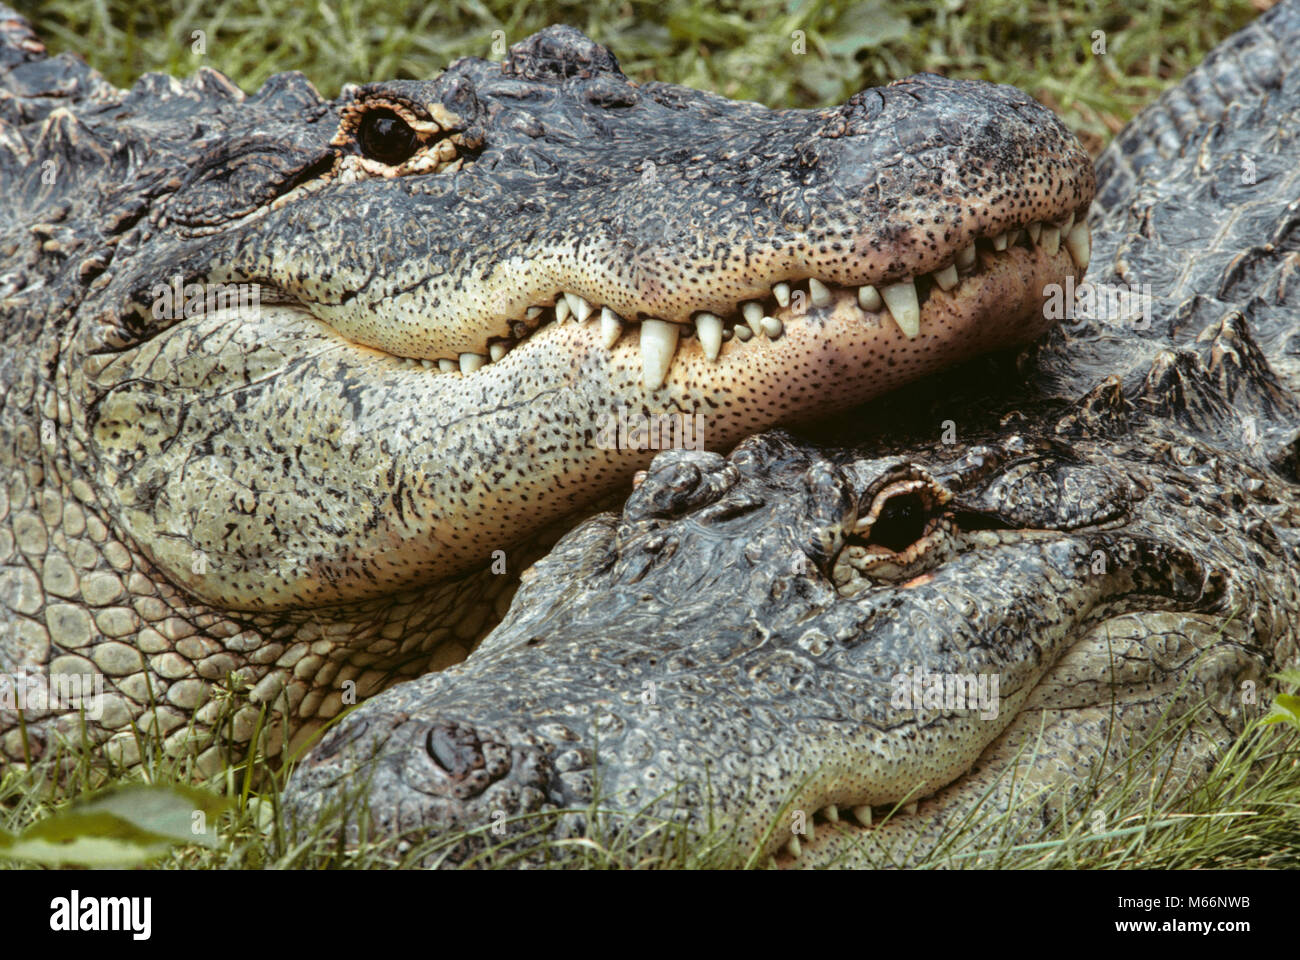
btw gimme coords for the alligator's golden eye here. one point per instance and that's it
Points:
(386, 137)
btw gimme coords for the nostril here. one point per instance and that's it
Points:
(901, 522)
(456, 748)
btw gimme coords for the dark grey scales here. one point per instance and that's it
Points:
(1114, 533)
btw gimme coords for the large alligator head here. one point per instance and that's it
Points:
(290, 364)
(1078, 553)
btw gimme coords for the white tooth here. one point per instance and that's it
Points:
(580, 307)
(469, 362)
(447, 366)
(818, 293)
(611, 327)
(1035, 229)
(658, 345)
(947, 277)
(793, 847)
(532, 313)
(1067, 226)
(1079, 243)
(1000, 241)
(562, 309)
(743, 332)
(772, 326)
(808, 833)
(428, 364)
(1013, 236)
(832, 813)
(869, 298)
(966, 257)
(752, 312)
(910, 808)
(903, 306)
(863, 815)
(782, 293)
(497, 351)
(709, 328)
(1051, 241)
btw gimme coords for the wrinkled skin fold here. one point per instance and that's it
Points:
(1110, 531)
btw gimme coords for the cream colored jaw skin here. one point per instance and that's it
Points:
(659, 339)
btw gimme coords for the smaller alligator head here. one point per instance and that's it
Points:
(462, 281)
(729, 649)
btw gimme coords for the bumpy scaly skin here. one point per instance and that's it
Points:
(1113, 535)
(298, 494)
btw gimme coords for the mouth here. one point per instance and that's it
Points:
(911, 305)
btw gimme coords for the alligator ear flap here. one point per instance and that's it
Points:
(558, 53)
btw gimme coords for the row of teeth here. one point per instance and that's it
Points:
(831, 814)
(659, 338)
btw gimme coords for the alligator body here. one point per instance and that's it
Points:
(292, 389)
(1101, 533)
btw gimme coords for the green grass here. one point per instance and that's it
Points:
(741, 48)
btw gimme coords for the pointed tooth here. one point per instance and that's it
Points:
(1068, 225)
(910, 808)
(497, 350)
(1013, 236)
(903, 306)
(1079, 243)
(562, 309)
(469, 362)
(1000, 241)
(1051, 241)
(782, 293)
(743, 332)
(532, 313)
(772, 327)
(1035, 229)
(793, 847)
(658, 345)
(947, 277)
(580, 307)
(869, 298)
(818, 292)
(862, 814)
(448, 366)
(428, 364)
(709, 327)
(832, 813)
(752, 311)
(808, 831)
(611, 327)
(966, 257)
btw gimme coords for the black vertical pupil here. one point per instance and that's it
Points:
(386, 137)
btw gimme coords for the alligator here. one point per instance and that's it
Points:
(971, 601)
(293, 389)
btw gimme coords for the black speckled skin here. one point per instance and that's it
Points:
(1115, 529)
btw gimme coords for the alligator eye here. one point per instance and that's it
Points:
(902, 522)
(386, 137)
